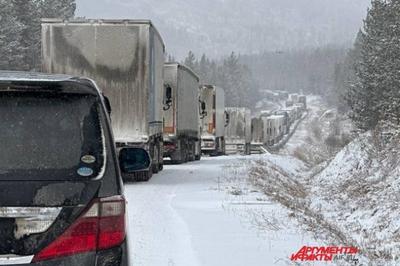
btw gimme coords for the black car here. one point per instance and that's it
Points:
(61, 192)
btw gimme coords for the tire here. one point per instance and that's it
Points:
(155, 168)
(144, 176)
(197, 157)
(160, 167)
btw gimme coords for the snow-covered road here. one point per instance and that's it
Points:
(185, 216)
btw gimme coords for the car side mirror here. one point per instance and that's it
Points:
(168, 98)
(132, 160)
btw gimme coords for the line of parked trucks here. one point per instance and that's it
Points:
(158, 110)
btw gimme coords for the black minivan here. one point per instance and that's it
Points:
(61, 192)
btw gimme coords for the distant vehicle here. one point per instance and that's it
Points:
(181, 114)
(283, 95)
(62, 199)
(303, 100)
(273, 129)
(238, 131)
(214, 120)
(265, 113)
(289, 103)
(126, 59)
(286, 120)
(294, 97)
(291, 111)
(257, 135)
(300, 109)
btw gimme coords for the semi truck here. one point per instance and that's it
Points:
(238, 130)
(181, 114)
(126, 59)
(303, 100)
(214, 120)
(273, 129)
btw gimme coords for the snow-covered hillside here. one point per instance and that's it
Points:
(219, 27)
(360, 192)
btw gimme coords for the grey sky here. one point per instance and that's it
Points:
(218, 27)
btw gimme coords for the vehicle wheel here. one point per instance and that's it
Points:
(197, 157)
(160, 167)
(155, 168)
(144, 176)
(192, 156)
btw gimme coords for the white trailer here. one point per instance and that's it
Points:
(126, 59)
(303, 100)
(214, 120)
(257, 135)
(291, 112)
(238, 130)
(273, 129)
(181, 113)
(294, 97)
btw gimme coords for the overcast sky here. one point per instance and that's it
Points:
(217, 27)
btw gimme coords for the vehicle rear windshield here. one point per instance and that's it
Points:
(49, 136)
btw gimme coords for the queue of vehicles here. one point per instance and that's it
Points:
(270, 127)
(158, 110)
(76, 140)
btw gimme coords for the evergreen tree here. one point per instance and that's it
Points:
(11, 52)
(26, 14)
(375, 95)
(20, 34)
(63, 9)
(190, 61)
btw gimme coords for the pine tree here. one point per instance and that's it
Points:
(370, 92)
(11, 52)
(63, 9)
(26, 14)
(190, 61)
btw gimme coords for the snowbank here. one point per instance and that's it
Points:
(359, 191)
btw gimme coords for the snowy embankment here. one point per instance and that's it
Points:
(344, 195)
(360, 192)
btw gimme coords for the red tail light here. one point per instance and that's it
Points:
(102, 226)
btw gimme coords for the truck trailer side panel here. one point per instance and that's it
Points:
(238, 130)
(130, 76)
(213, 124)
(181, 119)
(125, 58)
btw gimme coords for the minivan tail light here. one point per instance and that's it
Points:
(101, 226)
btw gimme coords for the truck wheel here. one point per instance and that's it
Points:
(160, 167)
(157, 156)
(143, 176)
(155, 168)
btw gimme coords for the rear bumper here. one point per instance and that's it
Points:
(117, 256)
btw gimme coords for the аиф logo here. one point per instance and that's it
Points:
(326, 254)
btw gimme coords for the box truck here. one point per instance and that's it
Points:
(181, 113)
(238, 130)
(214, 120)
(273, 129)
(126, 60)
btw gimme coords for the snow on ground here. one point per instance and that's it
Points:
(186, 215)
(359, 190)
(254, 210)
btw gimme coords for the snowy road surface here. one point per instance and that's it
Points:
(185, 216)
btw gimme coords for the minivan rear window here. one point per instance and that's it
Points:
(50, 136)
